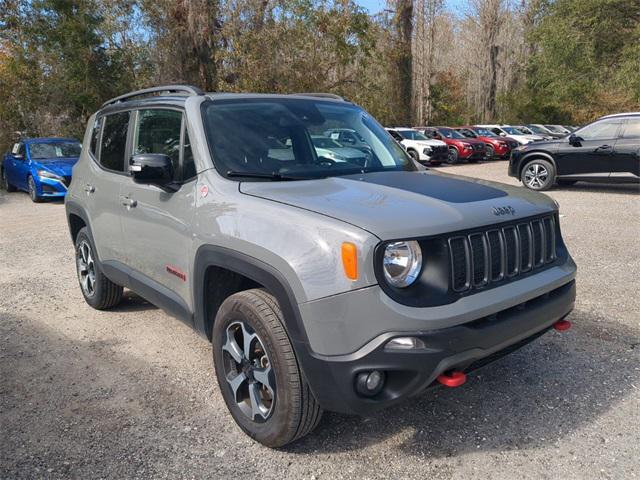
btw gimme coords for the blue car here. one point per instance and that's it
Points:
(40, 166)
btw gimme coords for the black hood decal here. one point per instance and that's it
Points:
(440, 187)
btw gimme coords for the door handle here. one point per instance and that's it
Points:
(89, 188)
(604, 147)
(128, 202)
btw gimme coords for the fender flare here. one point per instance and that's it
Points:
(254, 269)
(536, 154)
(73, 208)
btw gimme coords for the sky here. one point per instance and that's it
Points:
(375, 6)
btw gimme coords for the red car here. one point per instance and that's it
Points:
(497, 147)
(460, 147)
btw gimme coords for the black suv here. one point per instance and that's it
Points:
(607, 150)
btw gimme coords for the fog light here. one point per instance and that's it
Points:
(370, 383)
(405, 343)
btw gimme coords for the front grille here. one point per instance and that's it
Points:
(481, 258)
(478, 146)
(513, 145)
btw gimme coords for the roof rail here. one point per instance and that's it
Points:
(188, 89)
(321, 95)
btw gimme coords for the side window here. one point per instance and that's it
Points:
(95, 136)
(395, 135)
(114, 141)
(188, 165)
(604, 130)
(632, 128)
(158, 131)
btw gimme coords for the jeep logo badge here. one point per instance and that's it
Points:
(500, 211)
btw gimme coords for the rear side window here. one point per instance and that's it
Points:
(114, 141)
(632, 128)
(603, 130)
(95, 136)
(158, 131)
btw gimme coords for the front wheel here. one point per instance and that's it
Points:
(33, 191)
(453, 156)
(257, 371)
(5, 183)
(413, 154)
(489, 153)
(538, 175)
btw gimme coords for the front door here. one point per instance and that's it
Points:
(591, 151)
(157, 223)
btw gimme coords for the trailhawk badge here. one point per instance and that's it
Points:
(500, 211)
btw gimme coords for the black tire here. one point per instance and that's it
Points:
(452, 159)
(103, 293)
(293, 411)
(489, 153)
(566, 183)
(5, 183)
(33, 192)
(413, 154)
(538, 175)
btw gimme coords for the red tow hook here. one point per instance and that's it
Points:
(452, 379)
(562, 325)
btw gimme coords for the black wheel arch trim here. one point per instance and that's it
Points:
(73, 208)
(254, 269)
(536, 154)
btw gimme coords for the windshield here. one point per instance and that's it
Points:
(241, 135)
(450, 133)
(41, 151)
(512, 131)
(412, 135)
(484, 132)
(536, 129)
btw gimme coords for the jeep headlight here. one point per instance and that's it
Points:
(426, 150)
(402, 263)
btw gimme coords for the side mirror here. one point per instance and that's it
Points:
(153, 168)
(574, 140)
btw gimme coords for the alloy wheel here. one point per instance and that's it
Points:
(536, 176)
(248, 372)
(86, 268)
(32, 189)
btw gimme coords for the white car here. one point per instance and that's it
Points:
(509, 131)
(420, 147)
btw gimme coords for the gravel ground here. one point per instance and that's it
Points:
(130, 393)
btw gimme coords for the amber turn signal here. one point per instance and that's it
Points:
(350, 260)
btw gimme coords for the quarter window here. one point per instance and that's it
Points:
(158, 131)
(114, 141)
(188, 165)
(95, 136)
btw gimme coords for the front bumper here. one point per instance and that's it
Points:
(50, 187)
(470, 336)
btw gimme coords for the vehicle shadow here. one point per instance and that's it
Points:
(622, 188)
(132, 302)
(540, 394)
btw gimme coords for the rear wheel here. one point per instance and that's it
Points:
(5, 183)
(33, 191)
(453, 156)
(98, 291)
(538, 175)
(258, 373)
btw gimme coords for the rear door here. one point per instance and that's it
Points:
(157, 224)
(102, 187)
(592, 153)
(626, 160)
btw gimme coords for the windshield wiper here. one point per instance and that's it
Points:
(268, 175)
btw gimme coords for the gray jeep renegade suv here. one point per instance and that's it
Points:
(337, 278)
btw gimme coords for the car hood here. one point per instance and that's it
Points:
(395, 205)
(59, 166)
(426, 143)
